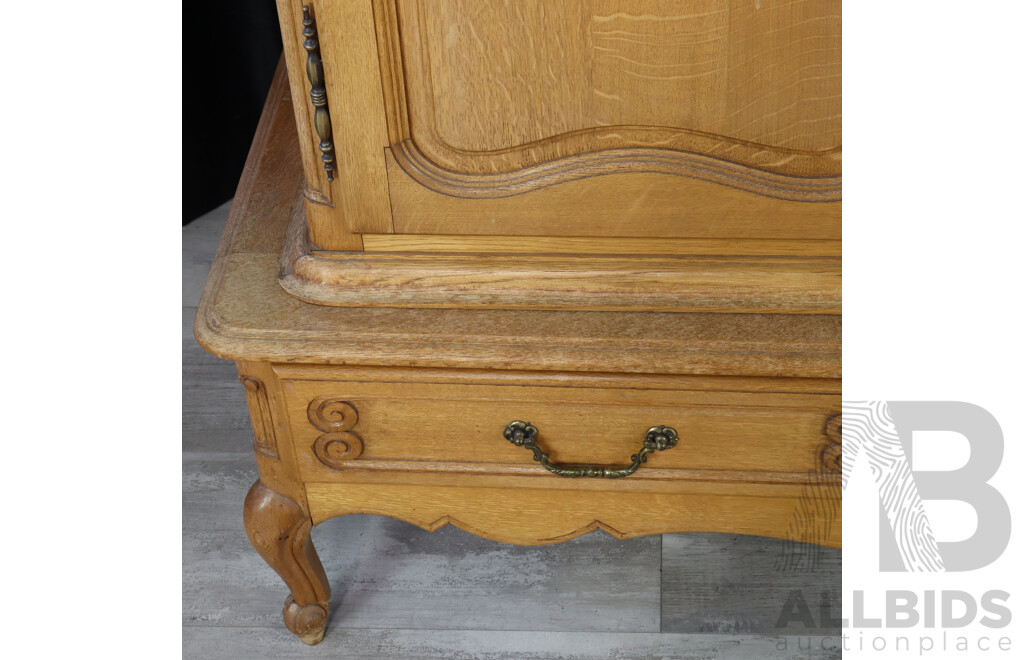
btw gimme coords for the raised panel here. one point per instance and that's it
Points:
(628, 204)
(499, 86)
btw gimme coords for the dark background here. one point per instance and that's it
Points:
(230, 50)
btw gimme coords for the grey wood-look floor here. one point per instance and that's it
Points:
(401, 592)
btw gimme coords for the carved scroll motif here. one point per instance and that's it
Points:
(264, 440)
(337, 445)
(832, 454)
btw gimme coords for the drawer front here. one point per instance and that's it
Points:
(343, 427)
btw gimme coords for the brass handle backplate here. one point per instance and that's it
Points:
(318, 92)
(657, 438)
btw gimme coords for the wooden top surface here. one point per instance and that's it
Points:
(246, 315)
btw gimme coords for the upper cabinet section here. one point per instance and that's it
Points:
(495, 87)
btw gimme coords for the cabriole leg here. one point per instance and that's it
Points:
(279, 530)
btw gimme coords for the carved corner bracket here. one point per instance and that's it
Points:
(337, 445)
(264, 440)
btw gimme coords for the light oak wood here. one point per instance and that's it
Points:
(595, 245)
(533, 517)
(256, 319)
(279, 530)
(725, 582)
(578, 425)
(577, 283)
(245, 314)
(272, 447)
(358, 196)
(585, 280)
(348, 41)
(293, 370)
(316, 189)
(611, 163)
(627, 204)
(644, 118)
(510, 280)
(493, 87)
(415, 400)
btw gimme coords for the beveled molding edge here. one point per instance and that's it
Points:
(613, 161)
(763, 285)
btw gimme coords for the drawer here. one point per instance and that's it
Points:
(394, 422)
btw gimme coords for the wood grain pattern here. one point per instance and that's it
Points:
(772, 437)
(832, 452)
(293, 370)
(389, 53)
(609, 162)
(628, 204)
(254, 318)
(336, 445)
(503, 86)
(677, 108)
(389, 574)
(347, 40)
(707, 582)
(280, 471)
(795, 285)
(729, 378)
(536, 516)
(317, 189)
(596, 245)
(279, 530)
(264, 438)
(784, 85)
(244, 313)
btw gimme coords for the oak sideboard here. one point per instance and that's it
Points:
(537, 268)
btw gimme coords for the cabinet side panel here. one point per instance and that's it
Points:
(316, 188)
(357, 199)
(352, 71)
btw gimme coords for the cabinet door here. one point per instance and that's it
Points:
(604, 122)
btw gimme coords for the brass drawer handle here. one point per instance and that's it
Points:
(658, 438)
(318, 92)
